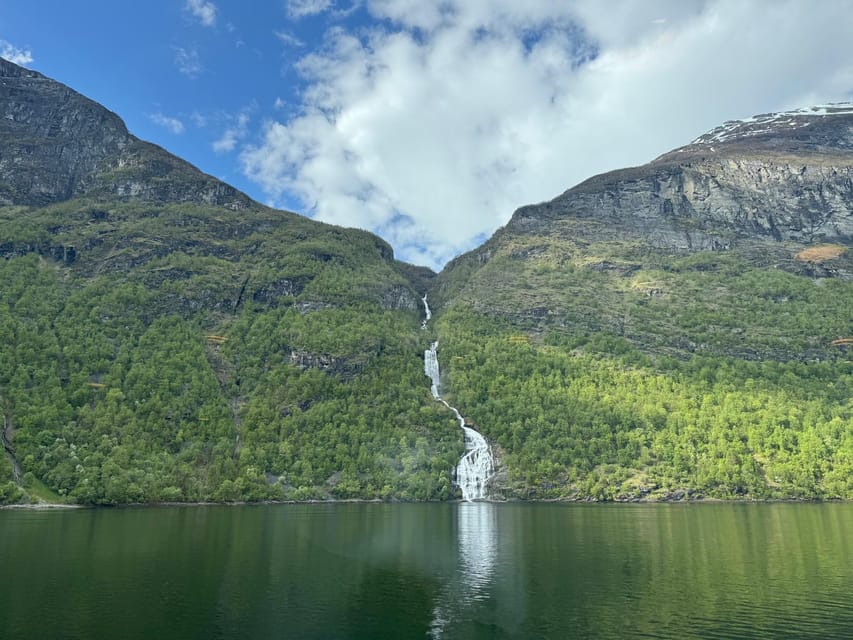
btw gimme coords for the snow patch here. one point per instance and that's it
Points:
(768, 122)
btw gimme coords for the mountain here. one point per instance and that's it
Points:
(676, 330)
(164, 337)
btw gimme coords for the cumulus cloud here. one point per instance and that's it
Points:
(187, 61)
(233, 134)
(172, 124)
(434, 125)
(301, 8)
(15, 54)
(203, 11)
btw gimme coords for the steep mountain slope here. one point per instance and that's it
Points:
(671, 329)
(164, 337)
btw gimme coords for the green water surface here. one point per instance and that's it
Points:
(429, 571)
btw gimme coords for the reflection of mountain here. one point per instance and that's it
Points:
(471, 586)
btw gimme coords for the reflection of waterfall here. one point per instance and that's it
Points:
(476, 466)
(478, 547)
(473, 586)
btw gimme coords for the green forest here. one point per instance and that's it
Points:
(610, 370)
(176, 362)
(574, 421)
(190, 354)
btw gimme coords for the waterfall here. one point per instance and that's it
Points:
(476, 465)
(427, 312)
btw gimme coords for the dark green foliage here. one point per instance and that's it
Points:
(189, 353)
(612, 371)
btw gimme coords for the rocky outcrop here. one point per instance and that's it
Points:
(65, 254)
(399, 297)
(787, 178)
(345, 367)
(271, 293)
(58, 144)
(52, 137)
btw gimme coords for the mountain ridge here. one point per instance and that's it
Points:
(59, 144)
(670, 331)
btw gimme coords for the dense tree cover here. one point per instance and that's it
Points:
(610, 369)
(182, 353)
(193, 356)
(592, 416)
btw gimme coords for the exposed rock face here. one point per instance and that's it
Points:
(53, 137)
(610, 256)
(58, 144)
(329, 364)
(272, 292)
(780, 177)
(399, 298)
(65, 254)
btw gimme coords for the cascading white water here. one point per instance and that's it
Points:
(476, 465)
(427, 312)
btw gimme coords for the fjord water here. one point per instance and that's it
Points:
(467, 570)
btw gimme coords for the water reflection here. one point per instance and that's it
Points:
(471, 571)
(477, 550)
(478, 542)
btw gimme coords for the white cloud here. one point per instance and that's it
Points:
(234, 134)
(14, 54)
(435, 125)
(188, 62)
(172, 124)
(301, 8)
(203, 10)
(288, 39)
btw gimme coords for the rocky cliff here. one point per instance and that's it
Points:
(782, 177)
(755, 196)
(58, 144)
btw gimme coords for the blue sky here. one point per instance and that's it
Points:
(174, 79)
(430, 122)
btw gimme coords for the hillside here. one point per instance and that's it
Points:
(672, 329)
(164, 337)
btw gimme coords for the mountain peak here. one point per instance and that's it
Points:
(782, 176)
(825, 129)
(773, 123)
(58, 144)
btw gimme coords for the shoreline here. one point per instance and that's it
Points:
(48, 506)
